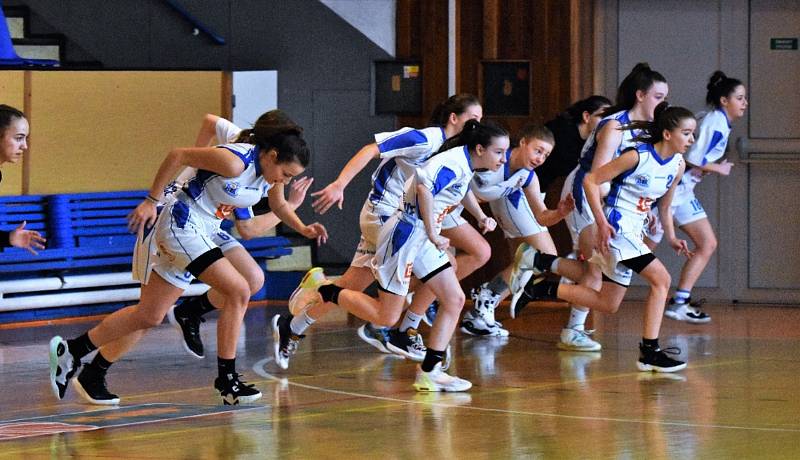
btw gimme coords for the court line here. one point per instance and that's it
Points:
(258, 368)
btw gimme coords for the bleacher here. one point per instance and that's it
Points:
(86, 266)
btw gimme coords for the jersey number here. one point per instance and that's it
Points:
(644, 204)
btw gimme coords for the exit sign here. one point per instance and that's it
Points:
(784, 44)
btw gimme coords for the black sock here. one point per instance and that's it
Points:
(226, 367)
(195, 306)
(650, 343)
(330, 293)
(99, 365)
(81, 346)
(544, 262)
(432, 357)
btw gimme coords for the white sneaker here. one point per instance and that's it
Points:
(577, 340)
(686, 312)
(439, 380)
(474, 324)
(485, 301)
(306, 295)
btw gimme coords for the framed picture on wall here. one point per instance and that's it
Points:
(505, 88)
(397, 87)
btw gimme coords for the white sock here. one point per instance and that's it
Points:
(577, 318)
(411, 320)
(300, 323)
(682, 296)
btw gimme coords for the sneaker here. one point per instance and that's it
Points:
(377, 337)
(474, 324)
(430, 313)
(439, 380)
(62, 366)
(522, 270)
(485, 301)
(306, 295)
(689, 311)
(234, 390)
(92, 388)
(408, 344)
(656, 360)
(189, 328)
(284, 341)
(538, 288)
(577, 340)
(448, 357)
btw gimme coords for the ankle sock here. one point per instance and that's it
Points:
(300, 323)
(432, 357)
(226, 367)
(330, 293)
(577, 318)
(195, 306)
(410, 321)
(81, 346)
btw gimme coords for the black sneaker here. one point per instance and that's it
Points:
(408, 344)
(656, 359)
(538, 288)
(234, 390)
(92, 387)
(62, 366)
(284, 341)
(189, 328)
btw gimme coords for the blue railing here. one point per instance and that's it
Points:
(198, 26)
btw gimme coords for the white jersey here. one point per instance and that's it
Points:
(589, 149)
(215, 197)
(447, 175)
(401, 152)
(633, 192)
(493, 185)
(226, 131)
(711, 142)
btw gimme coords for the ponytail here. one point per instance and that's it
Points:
(719, 86)
(641, 78)
(665, 118)
(574, 113)
(457, 104)
(275, 130)
(473, 134)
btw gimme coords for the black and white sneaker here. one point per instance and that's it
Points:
(656, 359)
(92, 388)
(62, 366)
(234, 390)
(189, 328)
(474, 324)
(538, 288)
(408, 344)
(688, 311)
(284, 341)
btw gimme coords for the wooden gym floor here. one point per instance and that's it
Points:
(739, 398)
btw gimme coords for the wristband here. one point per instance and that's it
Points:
(151, 199)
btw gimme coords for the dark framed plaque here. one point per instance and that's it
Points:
(397, 87)
(505, 88)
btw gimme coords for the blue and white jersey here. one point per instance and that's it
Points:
(710, 144)
(502, 184)
(589, 148)
(401, 152)
(634, 191)
(215, 197)
(447, 175)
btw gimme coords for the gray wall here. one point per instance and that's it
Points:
(323, 66)
(753, 211)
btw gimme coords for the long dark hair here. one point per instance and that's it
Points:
(641, 78)
(665, 118)
(719, 86)
(457, 104)
(7, 116)
(473, 134)
(274, 129)
(574, 113)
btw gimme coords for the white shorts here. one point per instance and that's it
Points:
(624, 246)
(576, 220)
(453, 219)
(516, 222)
(181, 236)
(370, 223)
(405, 249)
(684, 213)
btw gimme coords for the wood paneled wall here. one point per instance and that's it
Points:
(554, 35)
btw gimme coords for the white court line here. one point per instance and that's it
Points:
(259, 366)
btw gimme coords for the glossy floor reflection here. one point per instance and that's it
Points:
(739, 398)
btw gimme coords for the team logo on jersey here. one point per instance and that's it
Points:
(231, 188)
(642, 180)
(457, 186)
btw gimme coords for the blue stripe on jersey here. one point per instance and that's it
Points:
(379, 187)
(246, 158)
(528, 181)
(715, 139)
(514, 198)
(651, 148)
(469, 160)
(400, 235)
(180, 212)
(506, 170)
(444, 176)
(613, 219)
(401, 141)
(198, 183)
(617, 182)
(242, 213)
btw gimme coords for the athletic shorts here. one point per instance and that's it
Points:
(453, 219)
(182, 236)
(516, 221)
(682, 214)
(624, 246)
(404, 249)
(370, 223)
